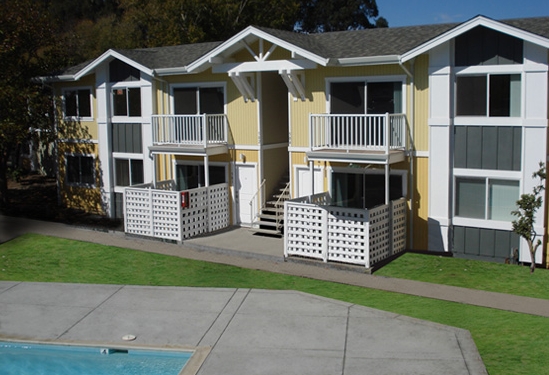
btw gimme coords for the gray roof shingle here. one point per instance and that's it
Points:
(331, 45)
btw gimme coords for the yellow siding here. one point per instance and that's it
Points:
(87, 199)
(242, 116)
(421, 101)
(274, 109)
(87, 130)
(315, 86)
(275, 163)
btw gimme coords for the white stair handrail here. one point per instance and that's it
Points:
(259, 194)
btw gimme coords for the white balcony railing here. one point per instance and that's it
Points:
(357, 132)
(189, 129)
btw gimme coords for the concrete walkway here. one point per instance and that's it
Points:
(239, 247)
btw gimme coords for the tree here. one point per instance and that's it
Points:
(338, 15)
(28, 49)
(528, 205)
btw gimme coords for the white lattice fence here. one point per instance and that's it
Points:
(153, 213)
(165, 214)
(194, 218)
(219, 207)
(380, 233)
(158, 213)
(138, 213)
(399, 225)
(356, 236)
(304, 230)
(347, 235)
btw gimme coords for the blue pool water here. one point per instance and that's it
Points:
(38, 359)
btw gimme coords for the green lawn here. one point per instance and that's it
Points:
(509, 343)
(494, 277)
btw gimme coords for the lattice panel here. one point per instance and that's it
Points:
(380, 232)
(194, 218)
(218, 207)
(165, 206)
(303, 230)
(399, 225)
(347, 235)
(137, 218)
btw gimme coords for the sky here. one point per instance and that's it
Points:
(425, 12)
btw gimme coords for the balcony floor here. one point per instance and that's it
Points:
(192, 150)
(357, 156)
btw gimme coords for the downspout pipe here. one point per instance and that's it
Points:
(411, 147)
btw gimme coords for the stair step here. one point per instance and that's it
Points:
(267, 224)
(273, 209)
(276, 203)
(268, 216)
(266, 231)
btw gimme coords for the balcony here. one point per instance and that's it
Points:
(190, 134)
(376, 139)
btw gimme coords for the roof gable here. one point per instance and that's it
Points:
(533, 30)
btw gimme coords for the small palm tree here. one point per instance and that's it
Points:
(528, 204)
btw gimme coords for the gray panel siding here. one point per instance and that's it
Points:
(483, 243)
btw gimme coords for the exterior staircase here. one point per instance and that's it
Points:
(270, 221)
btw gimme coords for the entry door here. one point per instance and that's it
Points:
(246, 187)
(304, 182)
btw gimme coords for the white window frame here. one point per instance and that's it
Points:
(487, 176)
(366, 79)
(199, 164)
(126, 85)
(198, 85)
(80, 184)
(78, 118)
(486, 71)
(129, 157)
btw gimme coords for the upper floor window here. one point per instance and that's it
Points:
(483, 46)
(119, 71)
(365, 97)
(77, 103)
(492, 95)
(80, 170)
(126, 101)
(198, 100)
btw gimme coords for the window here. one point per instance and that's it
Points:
(488, 147)
(493, 95)
(192, 176)
(128, 172)
(381, 97)
(77, 103)
(80, 170)
(121, 72)
(483, 46)
(363, 190)
(127, 138)
(198, 100)
(486, 198)
(126, 102)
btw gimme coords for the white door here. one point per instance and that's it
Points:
(245, 187)
(304, 181)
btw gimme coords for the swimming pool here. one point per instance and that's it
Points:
(37, 359)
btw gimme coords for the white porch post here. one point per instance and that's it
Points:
(387, 175)
(206, 171)
(312, 169)
(154, 179)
